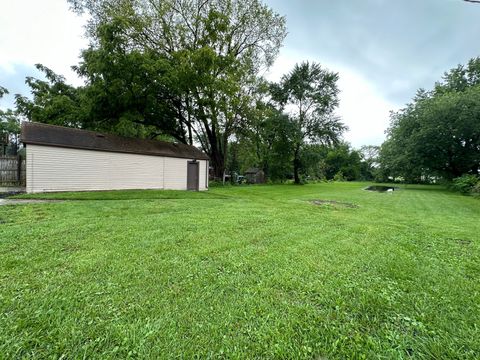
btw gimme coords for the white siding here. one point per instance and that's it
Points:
(63, 169)
(203, 184)
(175, 173)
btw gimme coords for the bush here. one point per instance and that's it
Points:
(339, 177)
(476, 189)
(218, 183)
(466, 184)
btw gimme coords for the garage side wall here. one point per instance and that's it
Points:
(175, 174)
(52, 168)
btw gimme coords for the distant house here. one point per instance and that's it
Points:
(255, 176)
(66, 159)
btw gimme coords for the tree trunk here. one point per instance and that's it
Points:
(218, 151)
(296, 165)
(189, 121)
(190, 135)
(218, 163)
(217, 155)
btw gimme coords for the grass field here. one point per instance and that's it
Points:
(242, 272)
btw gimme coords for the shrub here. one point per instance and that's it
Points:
(218, 183)
(339, 176)
(476, 189)
(466, 184)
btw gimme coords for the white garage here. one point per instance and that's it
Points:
(67, 159)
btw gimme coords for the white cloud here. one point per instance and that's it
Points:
(45, 32)
(362, 107)
(7, 68)
(363, 110)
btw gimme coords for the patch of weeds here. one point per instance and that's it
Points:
(334, 204)
(8, 214)
(464, 242)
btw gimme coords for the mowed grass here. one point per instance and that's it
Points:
(242, 272)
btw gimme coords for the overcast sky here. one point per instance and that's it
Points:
(383, 49)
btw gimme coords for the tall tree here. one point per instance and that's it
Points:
(217, 48)
(131, 94)
(344, 162)
(309, 93)
(438, 134)
(266, 142)
(136, 87)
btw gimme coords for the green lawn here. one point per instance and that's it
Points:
(242, 272)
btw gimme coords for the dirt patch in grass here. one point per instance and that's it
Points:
(334, 204)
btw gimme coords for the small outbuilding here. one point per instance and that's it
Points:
(255, 176)
(66, 159)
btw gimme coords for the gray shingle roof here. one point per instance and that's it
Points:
(52, 135)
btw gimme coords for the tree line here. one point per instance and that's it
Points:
(437, 135)
(190, 71)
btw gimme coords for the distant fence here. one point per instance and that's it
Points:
(12, 171)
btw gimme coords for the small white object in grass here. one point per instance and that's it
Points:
(390, 190)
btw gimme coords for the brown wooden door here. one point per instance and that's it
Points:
(193, 175)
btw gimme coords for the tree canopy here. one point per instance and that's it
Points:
(438, 134)
(189, 71)
(213, 51)
(9, 128)
(309, 94)
(177, 69)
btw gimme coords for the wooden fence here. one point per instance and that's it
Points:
(12, 171)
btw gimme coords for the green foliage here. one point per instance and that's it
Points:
(9, 129)
(317, 161)
(279, 155)
(338, 162)
(341, 159)
(313, 161)
(209, 54)
(264, 142)
(369, 166)
(310, 94)
(176, 69)
(3, 92)
(476, 189)
(242, 272)
(132, 91)
(54, 101)
(339, 176)
(438, 134)
(466, 184)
